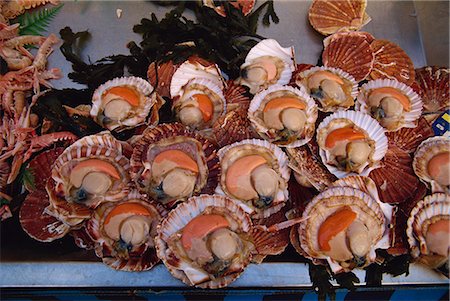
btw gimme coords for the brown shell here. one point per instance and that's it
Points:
(163, 131)
(235, 95)
(304, 162)
(82, 239)
(391, 62)
(234, 126)
(351, 53)
(296, 78)
(328, 17)
(434, 84)
(41, 168)
(36, 222)
(408, 139)
(160, 75)
(395, 180)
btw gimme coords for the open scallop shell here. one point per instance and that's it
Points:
(279, 162)
(296, 75)
(351, 53)
(204, 87)
(328, 202)
(139, 257)
(260, 100)
(425, 152)
(350, 88)
(270, 49)
(435, 91)
(41, 168)
(408, 139)
(391, 62)
(328, 17)
(194, 68)
(372, 129)
(431, 209)
(174, 136)
(160, 76)
(36, 222)
(408, 119)
(185, 269)
(137, 115)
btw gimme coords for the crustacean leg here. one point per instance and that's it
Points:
(44, 51)
(14, 8)
(8, 31)
(40, 142)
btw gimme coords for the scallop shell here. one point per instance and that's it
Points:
(234, 126)
(395, 179)
(328, 17)
(432, 207)
(280, 162)
(349, 80)
(246, 6)
(235, 95)
(408, 139)
(41, 168)
(351, 53)
(82, 238)
(328, 202)
(271, 48)
(140, 258)
(296, 75)
(424, 153)
(160, 76)
(369, 125)
(434, 84)
(178, 133)
(194, 69)
(254, 115)
(391, 62)
(146, 102)
(203, 86)
(178, 218)
(101, 146)
(367, 36)
(36, 222)
(408, 119)
(303, 162)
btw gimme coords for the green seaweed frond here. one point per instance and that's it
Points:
(36, 22)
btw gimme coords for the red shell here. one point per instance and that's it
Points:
(82, 239)
(351, 53)
(434, 84)
(232, 127)
(408, 139)
(396, 181)
(41, 168)
(161, 76)
(328, 17)
(296, 74)
(4, 174)
(246, 6)
(36, 222)
(367, 36)
(236, 94)
(392, 62)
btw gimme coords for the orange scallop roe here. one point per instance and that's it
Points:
(284, 103)
(98, 165)
(241, 167)
(333, 225)
(201, 226)
(442, 225)
(347, 133)
(181, 159)
(127, 93)
(127, 208)
(328, 75)
(434, 165)
(205, 105)
(395, 94)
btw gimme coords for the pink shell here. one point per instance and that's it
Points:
(351, 53)
(434, 84)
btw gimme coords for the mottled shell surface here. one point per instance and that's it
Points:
(328, 17)
(434, 84)
(351, 53)
(179, 264)
(407, 119)
(330, 201)
(432, 208)
(137, 114)
(425, 152)
(373, 132)
(174, 136)
(391, 62)
(139, 257)
(408, 139)
(324, 101)
(275, 158)
(283, 138)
